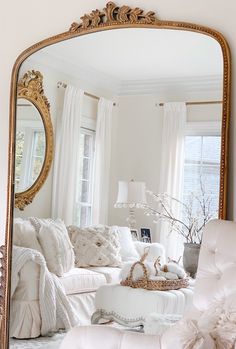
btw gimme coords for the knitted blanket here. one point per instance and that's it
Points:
(53, 302)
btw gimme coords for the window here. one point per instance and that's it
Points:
(202, 168)
(30, 153)
(83, 205)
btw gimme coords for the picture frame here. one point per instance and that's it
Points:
(146, 235)
(135, 234)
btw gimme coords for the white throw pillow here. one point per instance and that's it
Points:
(127, 247)
(155, 250)
(95, 246)
(57, 248)
(24, 234)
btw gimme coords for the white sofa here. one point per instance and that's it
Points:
(215, 285)
(80, 285)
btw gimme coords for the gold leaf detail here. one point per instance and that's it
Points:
(134, 14)
(96, 18)
(113, 13)
(123, 12)
(109, 11)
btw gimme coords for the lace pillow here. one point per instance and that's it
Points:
(96, 246)
(57, 248)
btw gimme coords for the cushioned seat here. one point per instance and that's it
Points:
(129, 306)
(80, 280)
(111, 274)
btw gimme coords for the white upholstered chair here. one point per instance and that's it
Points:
(215, 281)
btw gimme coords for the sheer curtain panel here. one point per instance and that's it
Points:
(172, 169)
(102, 162)
(66, 157)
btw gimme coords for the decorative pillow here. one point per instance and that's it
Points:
(95, 246)
(57, 248)
(155, 250)
(24, 234)
(127, 247)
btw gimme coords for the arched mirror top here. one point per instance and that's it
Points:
(30, 89)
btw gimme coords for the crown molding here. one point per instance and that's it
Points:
(85, 76)
(172, 85)
(108, 85)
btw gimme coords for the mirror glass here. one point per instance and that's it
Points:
(30, 145)
(137, 119)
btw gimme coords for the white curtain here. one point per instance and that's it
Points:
(172, 169)
(66, 158)
(102, 162)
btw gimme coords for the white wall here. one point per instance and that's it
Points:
(24, 23)
(136, 143)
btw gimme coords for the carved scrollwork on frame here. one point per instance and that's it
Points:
(30, 87)
(113, 14)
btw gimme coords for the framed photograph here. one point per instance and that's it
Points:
(146, 235)
(135, 235)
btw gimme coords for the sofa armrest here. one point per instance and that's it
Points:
(155, 250)
(27, 288)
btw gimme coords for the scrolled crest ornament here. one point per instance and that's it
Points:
(31, 86)
(113, 14)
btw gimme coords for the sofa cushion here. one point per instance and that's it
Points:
(80, 280)
(95, 246)
(57, 248)
(112, 275)
(24, 234)
(127, 247)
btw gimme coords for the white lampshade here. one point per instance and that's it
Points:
(131, 194)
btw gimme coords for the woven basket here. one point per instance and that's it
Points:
(155, 285)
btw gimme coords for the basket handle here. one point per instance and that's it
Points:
(157, 262)
(145, 272)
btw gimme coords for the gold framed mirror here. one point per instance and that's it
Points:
(34, 138)
(112, 17)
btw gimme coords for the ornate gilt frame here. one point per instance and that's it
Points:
(111, 17)
(30, 87)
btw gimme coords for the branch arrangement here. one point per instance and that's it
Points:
(191, 216)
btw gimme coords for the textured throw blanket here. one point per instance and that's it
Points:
(53, 301)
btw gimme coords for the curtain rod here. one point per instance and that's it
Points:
(197, 103)
(62, 84)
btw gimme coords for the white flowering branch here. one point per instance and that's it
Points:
(191, 224)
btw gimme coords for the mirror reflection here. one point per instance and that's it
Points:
(137, 120)
(30, 145)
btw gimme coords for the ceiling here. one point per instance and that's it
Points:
(141, 54)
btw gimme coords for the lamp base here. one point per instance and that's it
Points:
(131, 219)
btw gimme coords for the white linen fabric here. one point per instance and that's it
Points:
(172, 166)
(55, 243)
(95, 246)
(102, 157)
(66, 157)
(157, 324)
(53, 302)
(81, 280)
(24, 234)
(112, 274)
(133, 305)
(127, 247)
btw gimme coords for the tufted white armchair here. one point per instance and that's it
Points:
(215, 281)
